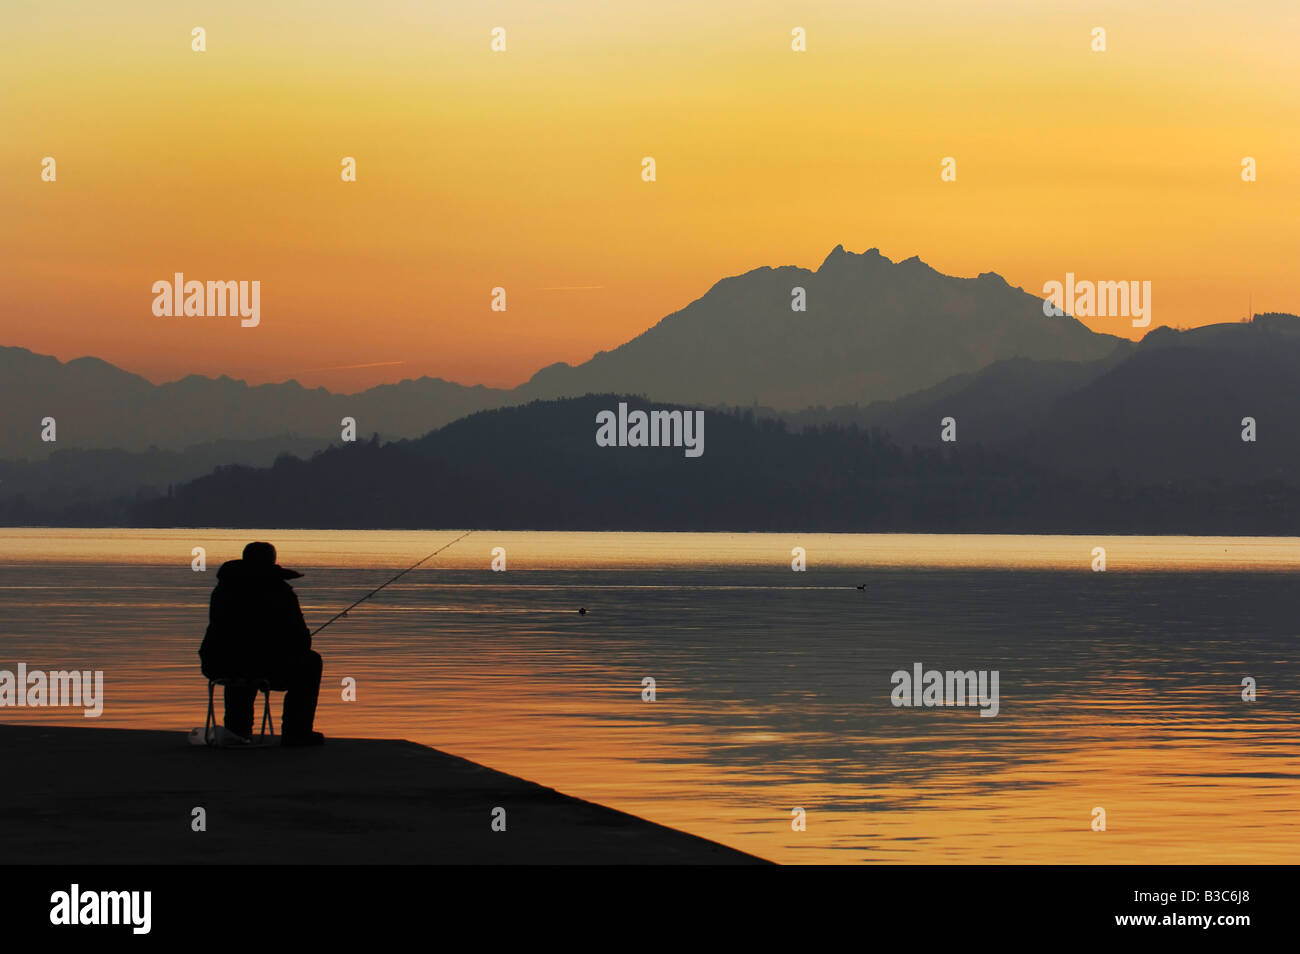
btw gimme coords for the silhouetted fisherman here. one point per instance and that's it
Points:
(256, 631)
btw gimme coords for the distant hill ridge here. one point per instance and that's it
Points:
(100, 406)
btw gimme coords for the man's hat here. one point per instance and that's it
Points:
(262, 555)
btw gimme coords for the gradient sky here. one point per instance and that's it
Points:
(522, 169)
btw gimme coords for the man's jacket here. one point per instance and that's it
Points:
(254, 622)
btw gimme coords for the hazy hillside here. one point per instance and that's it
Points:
(1174, 408)
(997, 404)
(538, 467)
(97, 405)
(94, 476)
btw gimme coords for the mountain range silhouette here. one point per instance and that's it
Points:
(874, 330)
(883, 353)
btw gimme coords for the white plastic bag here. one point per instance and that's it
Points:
(221, 738)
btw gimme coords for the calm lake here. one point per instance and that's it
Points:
(1119, 689)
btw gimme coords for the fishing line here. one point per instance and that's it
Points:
(393, 580)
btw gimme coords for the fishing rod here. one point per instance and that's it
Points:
(393, 580)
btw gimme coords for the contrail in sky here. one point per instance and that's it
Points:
(351, 367)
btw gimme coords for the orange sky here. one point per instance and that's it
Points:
(522, 169)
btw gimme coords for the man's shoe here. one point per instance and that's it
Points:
(296, 739)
